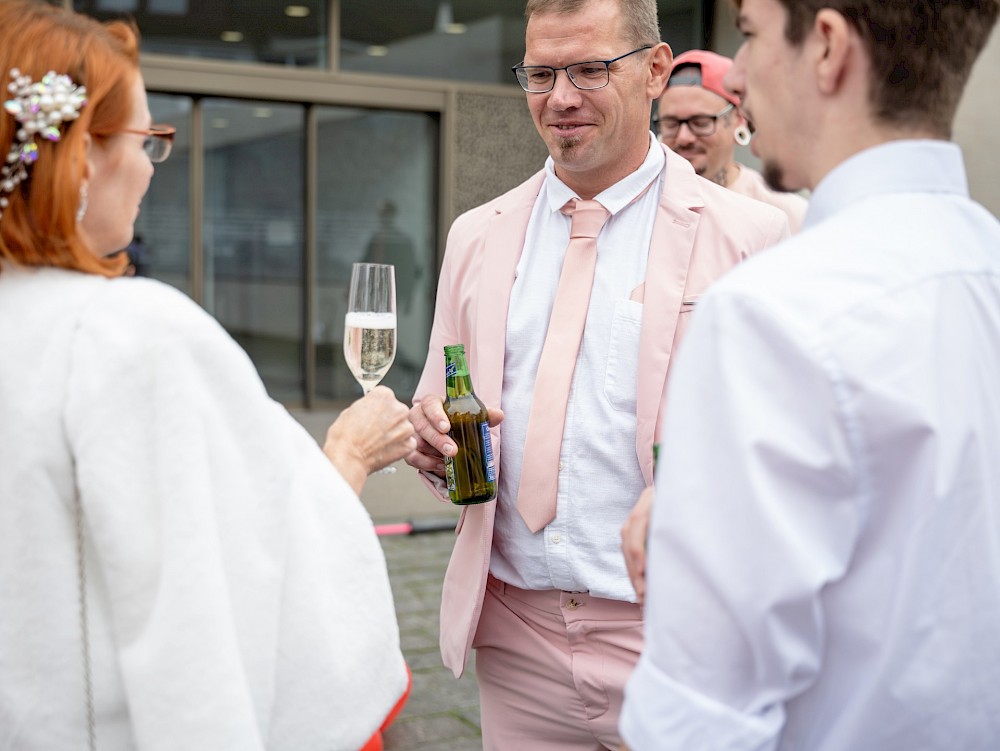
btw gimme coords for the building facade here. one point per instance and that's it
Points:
(313, 134)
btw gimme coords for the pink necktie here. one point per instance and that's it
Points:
(536, 496)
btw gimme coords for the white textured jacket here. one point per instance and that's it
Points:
(236, 591)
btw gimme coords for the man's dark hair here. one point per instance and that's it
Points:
(921, 52)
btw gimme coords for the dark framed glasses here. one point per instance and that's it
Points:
(590, 75)
(700, 125)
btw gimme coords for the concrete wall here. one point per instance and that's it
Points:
(977, 125)
(496, 147)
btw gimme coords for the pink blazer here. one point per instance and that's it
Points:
(701, 230)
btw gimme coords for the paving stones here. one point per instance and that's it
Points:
(442, 713)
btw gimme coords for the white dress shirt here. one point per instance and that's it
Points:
(599, 473)
(824, 560)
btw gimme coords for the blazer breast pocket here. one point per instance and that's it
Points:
(621, 378)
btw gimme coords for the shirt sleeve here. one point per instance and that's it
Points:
(242, 577)
(757, 510)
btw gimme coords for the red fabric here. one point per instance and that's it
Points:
(375, 742)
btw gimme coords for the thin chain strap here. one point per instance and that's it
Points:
(81, 569)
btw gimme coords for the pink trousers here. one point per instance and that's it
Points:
(552, 667)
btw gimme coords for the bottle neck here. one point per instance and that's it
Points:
(457, 380)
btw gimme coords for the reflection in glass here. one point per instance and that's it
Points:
(286, 33)
(376, 202)
(161, 247)
(469, 40)
(253, 234)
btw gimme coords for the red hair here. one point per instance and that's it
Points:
(39, 227)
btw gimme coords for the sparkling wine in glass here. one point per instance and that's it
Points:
(370, 325)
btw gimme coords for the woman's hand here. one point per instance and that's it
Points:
(372, 433)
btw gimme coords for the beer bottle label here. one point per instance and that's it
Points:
(450, 369)
(449, 473)
(491, 472)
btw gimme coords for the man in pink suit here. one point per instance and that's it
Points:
(552, 614)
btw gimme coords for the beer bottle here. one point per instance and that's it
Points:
(471, 474)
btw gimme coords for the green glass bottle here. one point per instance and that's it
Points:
(471, 474)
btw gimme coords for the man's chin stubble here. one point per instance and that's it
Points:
(774, 177)
(566, 146)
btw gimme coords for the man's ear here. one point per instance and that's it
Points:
(834, 38)
(661, 60)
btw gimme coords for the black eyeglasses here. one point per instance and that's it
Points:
(593, 74)
(700, 125)
(159, 141)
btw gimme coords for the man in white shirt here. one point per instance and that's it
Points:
(824, 558)
(547, 604)
(701, 121)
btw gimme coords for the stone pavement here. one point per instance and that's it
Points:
(442, 713)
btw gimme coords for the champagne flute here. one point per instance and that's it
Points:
(370, 326)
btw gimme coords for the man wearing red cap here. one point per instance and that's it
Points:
(701, 121)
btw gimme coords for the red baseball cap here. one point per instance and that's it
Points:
(702, 68)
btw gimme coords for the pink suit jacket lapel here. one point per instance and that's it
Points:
(667, 266)
(465, 580)
(502, 249)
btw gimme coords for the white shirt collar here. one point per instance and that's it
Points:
(619, 195)
(906, 166)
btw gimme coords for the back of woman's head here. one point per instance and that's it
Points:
(38, 227)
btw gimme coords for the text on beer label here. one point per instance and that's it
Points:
(491, 472)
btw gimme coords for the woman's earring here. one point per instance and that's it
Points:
(742, 135)
(81, 210)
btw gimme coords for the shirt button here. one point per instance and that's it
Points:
(556, 539)
(571, 604)
(562, 466)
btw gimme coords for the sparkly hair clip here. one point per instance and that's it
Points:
(40, 108)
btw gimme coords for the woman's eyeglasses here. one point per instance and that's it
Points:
(159, 141)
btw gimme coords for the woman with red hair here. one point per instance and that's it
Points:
(180, 565)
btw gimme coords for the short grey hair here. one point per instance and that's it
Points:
(640, 24)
